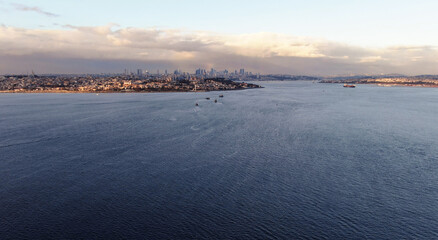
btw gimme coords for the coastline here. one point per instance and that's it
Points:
(425, 81)
(403, 85)
(120, 84)
(388, 84)
(122, 92)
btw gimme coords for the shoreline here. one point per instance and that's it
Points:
(403, 85)
(122, 92)
(389, 84)
(119, 84)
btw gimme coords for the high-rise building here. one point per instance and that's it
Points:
(139, 72)
(200, 71)
(242, 71)
(212, 72)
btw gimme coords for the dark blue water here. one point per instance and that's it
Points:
(295, 160)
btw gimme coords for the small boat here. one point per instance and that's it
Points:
(196, 104)
(207, 98)
(215, 100)
(221, 95)
(349, 85)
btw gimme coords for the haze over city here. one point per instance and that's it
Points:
(290, 37)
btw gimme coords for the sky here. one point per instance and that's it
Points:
(313, 37)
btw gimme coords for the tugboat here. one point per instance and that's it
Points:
(349, 85)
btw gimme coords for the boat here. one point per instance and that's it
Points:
(221, 95)
(349, 85)
(215, 100)
(207, 98)
(196, 104)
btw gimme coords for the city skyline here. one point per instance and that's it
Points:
(286, 37)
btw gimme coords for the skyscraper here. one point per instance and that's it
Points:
(212, 72)
(242, 71)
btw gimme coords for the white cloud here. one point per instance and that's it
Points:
(265, 52)
(370, 59)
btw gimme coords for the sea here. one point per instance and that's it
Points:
(292, 160)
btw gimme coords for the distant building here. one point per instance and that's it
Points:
(200, 71)
(139, 72)
(242, 71)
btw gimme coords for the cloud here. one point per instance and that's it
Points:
(370, 59)
(112, 45)
(21, 7)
